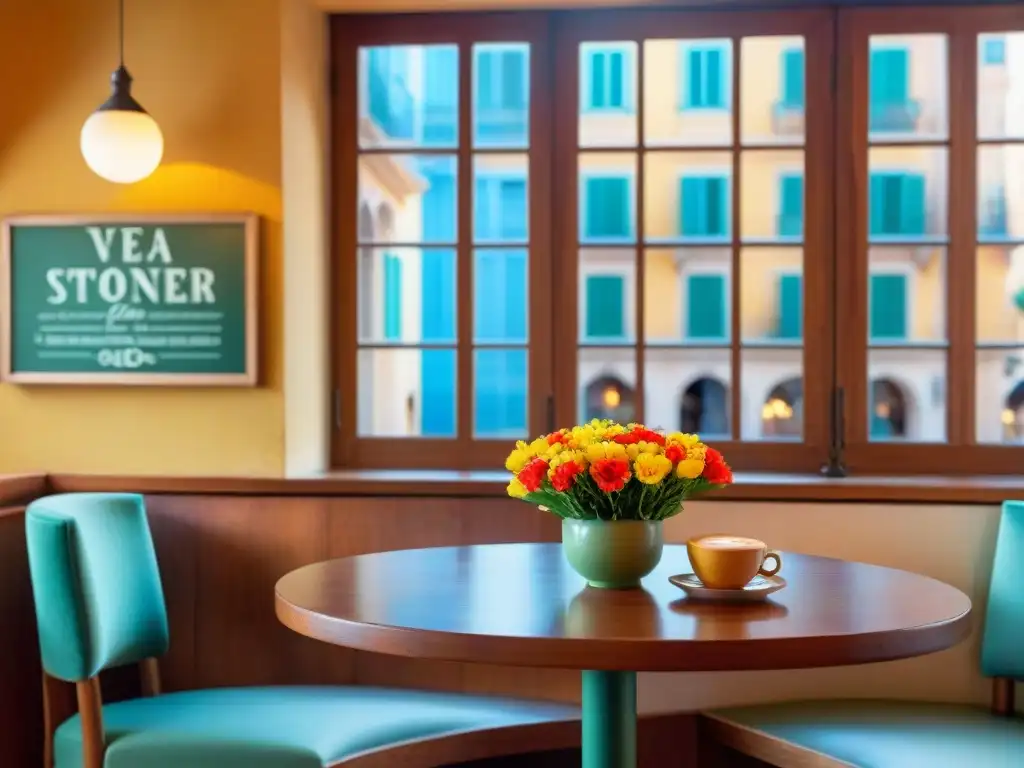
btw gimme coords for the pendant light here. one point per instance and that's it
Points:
(120, 141)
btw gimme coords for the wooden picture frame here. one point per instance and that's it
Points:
(248, 378)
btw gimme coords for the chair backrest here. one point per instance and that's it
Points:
(99, 601)
(1002, 654)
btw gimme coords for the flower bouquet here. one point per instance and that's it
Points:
(613, 485)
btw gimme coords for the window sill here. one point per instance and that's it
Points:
(749, 486)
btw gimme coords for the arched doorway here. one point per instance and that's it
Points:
(888, 416)
(782, 414)
(704, 408)
(1013, 415)
(608, 397)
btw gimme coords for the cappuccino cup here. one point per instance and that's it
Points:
(723, 561)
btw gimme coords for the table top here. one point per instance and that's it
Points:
(523, 605)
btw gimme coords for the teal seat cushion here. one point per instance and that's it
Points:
(291, 727)
(891, 734)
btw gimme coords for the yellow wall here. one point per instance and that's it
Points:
(209, 73)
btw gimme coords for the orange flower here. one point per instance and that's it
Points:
(532, 474)
(716, 471)
(565, 475)
(610, 474)
(675, 453)
(558, 437)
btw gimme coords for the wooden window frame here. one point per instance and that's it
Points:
(961, 454)
(835, 218)
(348, 34)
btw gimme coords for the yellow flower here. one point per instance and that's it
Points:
(690, 468)
(605, 450)
(651, 469)
(564, 457)
(697, 451)
(538, 447)
(516, 489)
(518, 458)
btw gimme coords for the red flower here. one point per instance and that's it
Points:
(557, 437)
(627, 438)
(675, 453)
(637, 434)
(716, 471)
(565, 475)
(610, 474)
(532, 474)
(650, 436)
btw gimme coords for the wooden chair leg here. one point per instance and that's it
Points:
(149, 674)
(1002, 696)
(90, 709)
(58, 705)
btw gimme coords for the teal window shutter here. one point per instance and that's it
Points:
(793, 78)
(703, 77)
(705, 307)
(607, 207)
(514, 287)
(616, 78)
(791, 205)
(605, 306)
(912, 200)
(791, 307)
(485, 96)
(994, 50)
(513, 80)
(597, 80)
(888, 307)
(704, 206)
(512, 209)
(392, 298)
(890, 73)
(483, 223)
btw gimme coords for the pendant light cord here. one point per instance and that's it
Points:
(120, 32)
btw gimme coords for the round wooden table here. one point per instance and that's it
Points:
(522, 605)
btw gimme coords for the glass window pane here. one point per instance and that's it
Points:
(907, 194)
(689, 391)
(607, 384)
(773, 88)
(772, 295)
(1000, 85)
(688, 197)
(688, 92)
(999, 396)
(607, 87)
(906, 294)
(908, 87)
(607, 198)
(500, 198)
(409, 96)
(406, 393)
(999, 297)
(501, 88)
(772, 195)
(406, 295)
(688, 296)
(1000, 188)
(606, 298)
(773, 394)
(907, 395)
(407, 199)
(500, 296)
(499, 393)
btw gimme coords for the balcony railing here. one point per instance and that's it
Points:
(498, 125)
(902, 117)
(787, 119)
(391, 105)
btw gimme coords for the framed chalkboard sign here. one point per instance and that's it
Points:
(129, 299)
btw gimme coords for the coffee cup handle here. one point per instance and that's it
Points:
(765, 571)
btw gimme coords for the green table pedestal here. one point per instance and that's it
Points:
(609, 719)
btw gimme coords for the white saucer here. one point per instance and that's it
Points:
(757, 590)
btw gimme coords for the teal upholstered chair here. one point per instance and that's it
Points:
(907, 734)
(99, 604)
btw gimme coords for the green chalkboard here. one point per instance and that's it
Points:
(129, 299)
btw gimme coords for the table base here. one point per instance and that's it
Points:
(609, 719)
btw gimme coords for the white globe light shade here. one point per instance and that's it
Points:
(123, 146)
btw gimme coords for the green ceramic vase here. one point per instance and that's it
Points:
(612, 554)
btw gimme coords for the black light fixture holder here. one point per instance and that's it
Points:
(121, 98)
